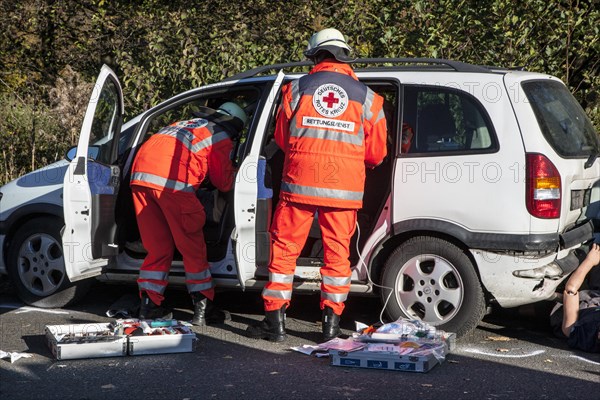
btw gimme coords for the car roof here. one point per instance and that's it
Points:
(379, 64)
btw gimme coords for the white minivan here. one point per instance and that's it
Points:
(488, 195)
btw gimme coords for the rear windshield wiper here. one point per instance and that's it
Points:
(590, 161)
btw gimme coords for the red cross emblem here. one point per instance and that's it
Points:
(330, 99)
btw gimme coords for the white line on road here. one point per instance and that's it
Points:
(22, 309)
(585, 359)
(485, 353)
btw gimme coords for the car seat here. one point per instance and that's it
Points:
(436, 129)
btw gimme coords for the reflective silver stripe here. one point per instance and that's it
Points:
(183, 135)
(198, 276)
(280, 278)
(278, 294)
(336, 297)
(326, 134)
(154, 275)
(380, 116)
(162, 182)
(336, 280)
(321, 192)
(209, 141)
(151, 286)
(295, 94)
(186, 138)
(368, 104)
(198, 287)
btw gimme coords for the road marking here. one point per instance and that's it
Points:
(585, 359)
(532, 354)
(22, 309)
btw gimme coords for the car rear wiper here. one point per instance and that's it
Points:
(590, 161)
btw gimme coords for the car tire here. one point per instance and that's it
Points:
(435, 281)
(37, 268)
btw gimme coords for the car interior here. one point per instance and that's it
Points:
(219, 206)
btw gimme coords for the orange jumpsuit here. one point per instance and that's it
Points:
(167, 170)
(329, 126)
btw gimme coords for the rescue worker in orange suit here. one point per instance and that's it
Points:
(167, 171)
(330, 126)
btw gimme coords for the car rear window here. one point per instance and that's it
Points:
(561, 119)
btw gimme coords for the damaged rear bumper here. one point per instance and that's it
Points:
(565, 265)
(516, 278)
(557, 268)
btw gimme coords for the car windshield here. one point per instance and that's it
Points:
(562, 120)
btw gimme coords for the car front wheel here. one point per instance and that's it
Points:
(431, 279)
(37, 268)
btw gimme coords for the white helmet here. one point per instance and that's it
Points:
(233, 110)
(330, 40)
(229, 115)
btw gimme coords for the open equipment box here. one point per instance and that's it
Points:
(119, 338)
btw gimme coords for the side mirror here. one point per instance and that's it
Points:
(71, 152)
(93, 152)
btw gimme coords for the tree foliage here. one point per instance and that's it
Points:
(159, 48)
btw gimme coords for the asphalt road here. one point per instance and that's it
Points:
(512, 355)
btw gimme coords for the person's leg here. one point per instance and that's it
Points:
(186, 218)
(289, 231)
(337, 228)
(157, 239)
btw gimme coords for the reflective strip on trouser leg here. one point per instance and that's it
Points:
(279, 287)
(291, 224)
(153, 281)
(335, 288)
(157, 239)
(337, 228)
(198, 282)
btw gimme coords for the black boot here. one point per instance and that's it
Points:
(330, 324)
(205, 312)
(149, 310)
(271, 328)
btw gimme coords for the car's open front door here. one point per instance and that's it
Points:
(92, 181)
(248, 188)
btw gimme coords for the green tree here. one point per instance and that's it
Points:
(159, 48)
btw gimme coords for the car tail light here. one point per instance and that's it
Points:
(543, 187)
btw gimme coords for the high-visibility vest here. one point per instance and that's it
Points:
(179, 157)
(330, 126)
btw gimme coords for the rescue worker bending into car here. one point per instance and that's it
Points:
(167, 171)
(329, 126)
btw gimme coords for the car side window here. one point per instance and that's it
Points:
(445, 120)
(105, 122)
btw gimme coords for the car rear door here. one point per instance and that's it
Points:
(248, 187)
(91, 183)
